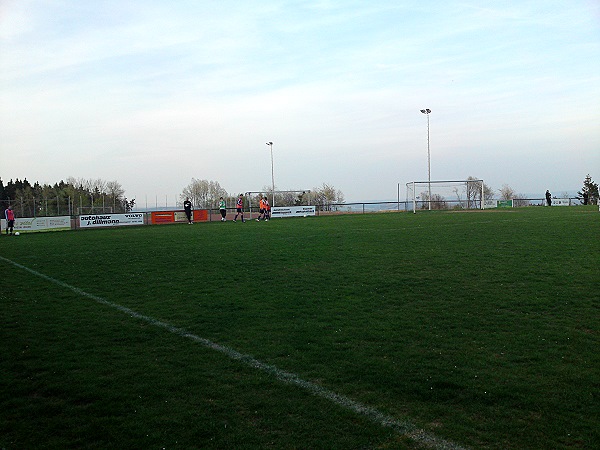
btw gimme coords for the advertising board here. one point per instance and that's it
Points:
(30, 224)
(160, 217)
(292, 211)
(559, 202)
(505, 203)
(110, 220)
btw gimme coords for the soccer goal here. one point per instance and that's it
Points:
(440, 195)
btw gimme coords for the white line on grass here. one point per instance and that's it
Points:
(403, 427)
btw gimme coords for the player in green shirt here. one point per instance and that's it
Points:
(222, 209)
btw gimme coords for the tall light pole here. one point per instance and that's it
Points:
(427, 111)
(270, 144)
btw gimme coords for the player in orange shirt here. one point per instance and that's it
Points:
(261, 210)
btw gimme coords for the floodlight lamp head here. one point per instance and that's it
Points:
(269, 143)
(426, 111)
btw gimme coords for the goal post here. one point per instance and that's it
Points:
(445, 195)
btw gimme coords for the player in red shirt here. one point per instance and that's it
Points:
(239, 208)
(9, 215)
(267, 209)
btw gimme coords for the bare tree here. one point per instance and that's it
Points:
(506, 193)
(115, 193)
(457, 192)
(327, 196)
(203, 193)
(473, 192)
(438, 201)
(287, 199)
(488, 192)
(114, 189)
(99, 186)
(281, 198)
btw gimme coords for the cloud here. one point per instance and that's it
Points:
(336, 85)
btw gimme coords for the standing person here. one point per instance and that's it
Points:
(239, 208)
(585, 198)
(548, 198)
(222, 209)
(187, 206)
(267, 209)
(9, 215)
(261, 210)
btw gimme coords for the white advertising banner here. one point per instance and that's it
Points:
(559, 202)
(488, 204)
(293, 211)
(111, 220)
(25, 224)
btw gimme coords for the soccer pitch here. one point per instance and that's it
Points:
(397, 330)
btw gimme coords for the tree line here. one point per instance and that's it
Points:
(70, 197)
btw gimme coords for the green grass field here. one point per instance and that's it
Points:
(479, 328)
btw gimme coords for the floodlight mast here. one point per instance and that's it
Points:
(270, 144)
(427, 111)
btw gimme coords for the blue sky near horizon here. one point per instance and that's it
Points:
(155, 93)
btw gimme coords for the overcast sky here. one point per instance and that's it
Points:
(154, 93)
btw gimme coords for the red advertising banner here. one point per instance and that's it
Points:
(159, 217)
(163, 217)
(200, 215)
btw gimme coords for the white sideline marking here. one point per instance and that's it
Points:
(402, 427)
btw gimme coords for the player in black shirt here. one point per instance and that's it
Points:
(187, 206)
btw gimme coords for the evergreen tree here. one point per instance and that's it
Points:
(70, 197)
(591, 189)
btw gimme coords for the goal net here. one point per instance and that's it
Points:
(441, 195)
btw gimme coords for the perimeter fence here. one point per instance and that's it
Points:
(49, 207)
(62, 206)
(390, 206)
